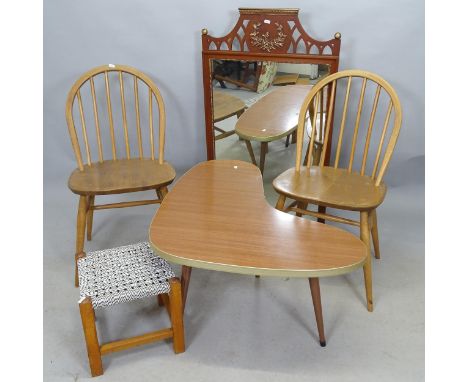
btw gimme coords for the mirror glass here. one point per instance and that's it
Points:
(247, 129)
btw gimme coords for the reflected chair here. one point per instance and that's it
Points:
(349, 183)
(124, 274)
(121, 131)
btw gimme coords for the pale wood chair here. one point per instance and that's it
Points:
(124, 274)
(345, 184)
(136, 168)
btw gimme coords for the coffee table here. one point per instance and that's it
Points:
(273, 117)
(225, 106)
(216, 217)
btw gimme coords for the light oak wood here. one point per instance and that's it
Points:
(80, 231)
(89, 218)
(101, 176)
(286, 79)
(346, 188)
(256, 239)
(364, 233)
(143, 339)
(121, 176)
(173, 302)
(92, 342)
(185, 282)
(331, 187)
(226, 105)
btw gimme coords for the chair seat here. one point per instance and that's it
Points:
(331, 187)
(119, 176)
(123, 274)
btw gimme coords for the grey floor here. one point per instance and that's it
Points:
(239, 327)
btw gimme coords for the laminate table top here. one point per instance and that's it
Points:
(216, 217)
(274, 116)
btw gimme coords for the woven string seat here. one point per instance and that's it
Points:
(122, 274)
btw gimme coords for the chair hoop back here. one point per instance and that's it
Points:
(75, 94)
(320, 107)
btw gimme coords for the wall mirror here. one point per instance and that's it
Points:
(255, 79)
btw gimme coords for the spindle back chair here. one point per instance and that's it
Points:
(319, 107)
(344, 184)
(102, 168)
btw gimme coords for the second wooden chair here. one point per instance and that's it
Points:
(131, 167)
(343, 185)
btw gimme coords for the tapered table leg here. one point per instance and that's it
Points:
(263, 152)
(315, 291)
(250, 150)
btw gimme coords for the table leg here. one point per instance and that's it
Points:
(250, 150)
(185, 281)
(263, 151)
(315, 291)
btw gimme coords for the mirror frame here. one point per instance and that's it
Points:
(280, 22)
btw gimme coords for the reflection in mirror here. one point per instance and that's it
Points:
(255, 110)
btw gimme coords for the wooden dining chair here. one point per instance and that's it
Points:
(119, 156)
(349, 182)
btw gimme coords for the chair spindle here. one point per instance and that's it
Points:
(382, 138)
(369, 129)
(124, 115)
(83, 127)
(137, 113)
(109, 111)
(343, 122)
(328, 125)
(356, 125)
(96, 119)
(150, 108)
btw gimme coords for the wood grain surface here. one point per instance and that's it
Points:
(216, 217)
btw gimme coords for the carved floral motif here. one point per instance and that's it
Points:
(263, 41)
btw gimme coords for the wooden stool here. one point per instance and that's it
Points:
(124, 274)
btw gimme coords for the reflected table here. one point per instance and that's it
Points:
(271, 118)
(216, 217)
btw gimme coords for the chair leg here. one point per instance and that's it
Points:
(307, 154)
(250, 150)
(302, 206)
(185, 281)
(92, 343)
(80, 232)
(316, 299)
(163, 191)
(375, 233)
(263, 152)
(89, 218)
(294, 137)
(160, 300)
(322, 210)
(280, 202)
(287, 141)
(177, 320)
(364, 228)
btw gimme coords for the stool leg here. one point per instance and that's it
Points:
(177, 320)
(91, 338)
(185, 280)
(80, 231)
(316, 299)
